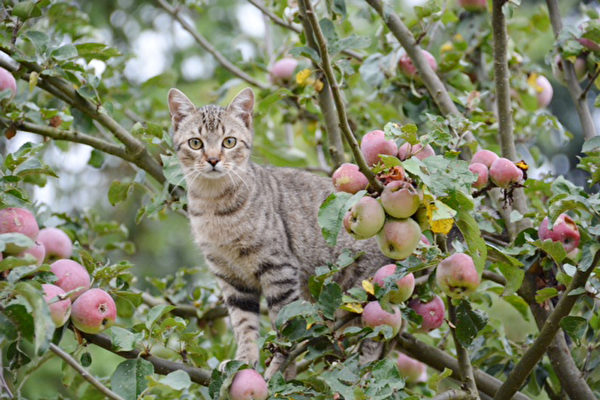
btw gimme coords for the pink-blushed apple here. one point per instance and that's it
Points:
(432, 312)
(248, 385)
(408, 150)
(374, 143)
(7, 81)
(473, 5)
(457, 276)
(18, 220)
(373, 315)
(504, 172)
(400, 199)
(543, 91)
(563, 230)
(282, 70)
(56, 242)
(407, 67)
(406, 285)
(38, 251)
(348, 178)
(425, 240)
(412, 370)
(93, 311)
(365, 218)
(59, 309)
(484, 157)
(71, 275)
(399, 238)
(481, 171)
(579, 66)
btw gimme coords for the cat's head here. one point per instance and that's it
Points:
(212, 141)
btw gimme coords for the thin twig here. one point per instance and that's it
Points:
(589, 85)
(536, 351)
(84, 374)
(464, 362)
(186, 310)
(206, 45)
(579, 98)
(337, 96)
(452, 394)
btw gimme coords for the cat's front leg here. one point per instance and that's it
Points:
(243, 306)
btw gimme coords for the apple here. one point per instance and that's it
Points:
(373, 315)
(248, 385)
(93, 311)
(7, 82)
(563, 230)
(412, 370)
(365, 218)
(71, 275)
(399, 238)
(482, 174)
(38, 251)
(400, 199)
(406, 285)
(407, 150)
(432, 312)
(407, 67)
(348, 178)
(282, 70)
(543, 91)
(18, 220)
(504, 172)
(579, 65)
(374, 143)
(457, 276)
(59, 309)
(56, 242)
(484, 157)
(473, 5)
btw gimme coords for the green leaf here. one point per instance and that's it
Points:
(14, 242)
(122, 339)
(21, 319)
(307, 52)
(513, 275)
(591, 145)
(519, 304)
(26, 9)
(468, 323)
(118, 192)
(129, 379)
(172, 170)
(330, 299)
(43, 325)
(553, 249)
(332, 211)
(545, 294)
(155, 313)
(96, 159)
(86, 359)
(574, 326)
(298, 308)
(176, 380)
(469, 227)
(64, 52)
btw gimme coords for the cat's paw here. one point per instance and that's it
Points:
(275, 365)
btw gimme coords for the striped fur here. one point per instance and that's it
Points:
(256, 225)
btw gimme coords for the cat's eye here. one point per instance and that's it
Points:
(229, 142)
(195, 143)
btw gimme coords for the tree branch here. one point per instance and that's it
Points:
(161, 366)
(84, 374)
(577, 95)
(186, 310)
(206, 45)
(337, 96)
(536, 351)
(452, 394)
(464, 363)
(440, 360)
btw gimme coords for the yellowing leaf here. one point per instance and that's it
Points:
(532, 81)
(439, 215)
(447, 47)
(303, 77)
(318, 85)
(442, 226)
(356, 308)
(368, 286)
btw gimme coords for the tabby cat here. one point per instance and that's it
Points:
(256, 225)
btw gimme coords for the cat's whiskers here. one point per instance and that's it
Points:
(240, 177)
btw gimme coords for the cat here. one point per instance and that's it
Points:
(256, 225)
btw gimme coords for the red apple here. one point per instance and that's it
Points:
(399, 238)
(71, 275)
(564, 230)
(484, 157)
(248, 385)
(374, 143)
(400, 199)
(543, 91)
(56, 242)
(412, 370)
(282, 71)
(481, 171)
(406, 285)
(373, 315)
(432, 312)
(7, 81)
(38, 251)
(93, 311)
(504, 172)
(59, 309)
(457, 276)
(407, 67)
(348, 178)
(365, 218)
(407, 150)
(18, 220)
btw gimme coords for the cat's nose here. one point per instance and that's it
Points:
(213, 161)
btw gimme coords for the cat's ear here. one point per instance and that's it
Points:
(242, 106)
(179, 106)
